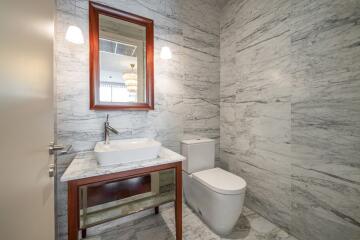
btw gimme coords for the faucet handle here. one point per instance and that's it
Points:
(107, 117)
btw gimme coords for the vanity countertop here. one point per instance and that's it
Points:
(85, 165)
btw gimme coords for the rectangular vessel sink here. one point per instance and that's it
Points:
(125, 151)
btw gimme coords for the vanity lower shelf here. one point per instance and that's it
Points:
(107, 201)
(123, 209)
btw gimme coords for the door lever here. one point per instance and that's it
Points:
(52, 170)
(55, 147)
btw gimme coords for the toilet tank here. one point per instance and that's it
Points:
(199, 153)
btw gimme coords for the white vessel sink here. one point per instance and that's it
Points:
(125, 151)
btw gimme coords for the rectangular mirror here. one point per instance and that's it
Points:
(121, 60)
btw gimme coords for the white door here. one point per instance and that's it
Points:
(26, 119)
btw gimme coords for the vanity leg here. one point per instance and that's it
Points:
(83, 233)
(73, 211)
(157, 210)
(178, 202)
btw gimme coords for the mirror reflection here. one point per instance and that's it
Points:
(122, 56)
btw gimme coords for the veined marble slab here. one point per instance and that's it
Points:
(85, 165)
(289, 106)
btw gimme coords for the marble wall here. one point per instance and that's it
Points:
(290, 111)
(186, 87)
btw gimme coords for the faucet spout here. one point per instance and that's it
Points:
(113, 130)
(107, 129)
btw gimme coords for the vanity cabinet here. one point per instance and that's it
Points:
(100, 194)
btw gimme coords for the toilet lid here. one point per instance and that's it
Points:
(221, 181)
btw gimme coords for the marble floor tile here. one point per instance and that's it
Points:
(250, 226)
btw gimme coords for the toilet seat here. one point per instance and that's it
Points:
(221, 181)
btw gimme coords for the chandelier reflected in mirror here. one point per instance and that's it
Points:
(130, 79)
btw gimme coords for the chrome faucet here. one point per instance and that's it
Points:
(107, 129)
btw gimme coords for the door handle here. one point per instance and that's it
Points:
(55, 147)
(52, 170)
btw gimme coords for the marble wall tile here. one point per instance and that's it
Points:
(186, 89)
(325, 119)
(201, 36)
(289, 105)
(256, 103)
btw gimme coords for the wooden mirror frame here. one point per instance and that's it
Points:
(95, 9)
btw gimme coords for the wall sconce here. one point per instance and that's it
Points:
(165, 53)
(74, 33)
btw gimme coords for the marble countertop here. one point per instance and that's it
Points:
(85, 165)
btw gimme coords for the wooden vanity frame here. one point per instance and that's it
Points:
(74, 185)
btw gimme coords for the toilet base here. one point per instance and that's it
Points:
(219, 211)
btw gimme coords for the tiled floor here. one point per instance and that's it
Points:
(250, 226)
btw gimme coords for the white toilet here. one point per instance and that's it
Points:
(216, 195)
